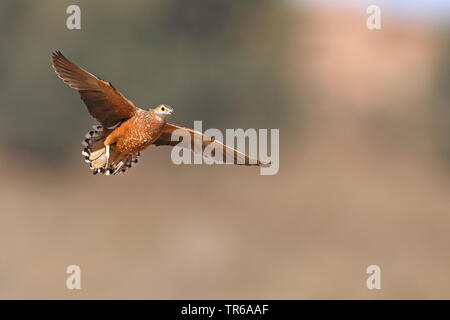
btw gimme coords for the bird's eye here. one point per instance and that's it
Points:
(163, 109)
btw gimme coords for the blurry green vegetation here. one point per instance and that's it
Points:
(216, 61)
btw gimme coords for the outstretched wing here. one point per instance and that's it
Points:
(197, 137)
(104, 102)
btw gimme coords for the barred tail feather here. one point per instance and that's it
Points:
(94, 153)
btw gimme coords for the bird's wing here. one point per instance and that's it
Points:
(197, 137)
(104, 102)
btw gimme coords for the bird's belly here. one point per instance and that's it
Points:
(136, 140)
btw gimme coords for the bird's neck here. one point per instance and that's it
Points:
(158, 117)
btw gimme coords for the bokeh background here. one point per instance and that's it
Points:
(364, 151)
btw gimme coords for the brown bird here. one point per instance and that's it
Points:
(124, 129)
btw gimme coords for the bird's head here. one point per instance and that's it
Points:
(163, 111)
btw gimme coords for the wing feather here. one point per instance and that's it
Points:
(104, 102)
(195, 136)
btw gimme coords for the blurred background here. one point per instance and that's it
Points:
(364, 119)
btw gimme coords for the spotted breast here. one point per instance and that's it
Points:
(136, 133)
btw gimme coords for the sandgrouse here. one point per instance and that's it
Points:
(124, 129)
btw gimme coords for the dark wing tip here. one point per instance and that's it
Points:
(265, 164)
(57, 57)
(57, 54)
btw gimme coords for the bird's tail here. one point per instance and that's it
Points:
(94, 153)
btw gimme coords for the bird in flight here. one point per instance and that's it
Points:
(124, 130)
